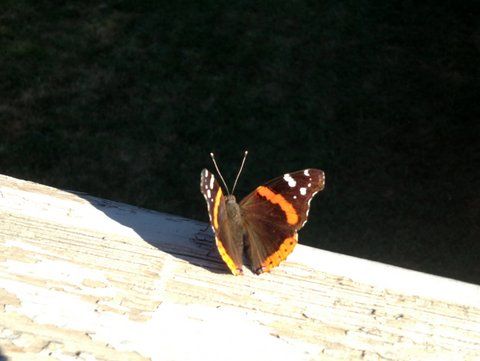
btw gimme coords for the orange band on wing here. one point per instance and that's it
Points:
(226, 258)
(284, 250)
(292, 216)
(216, 205)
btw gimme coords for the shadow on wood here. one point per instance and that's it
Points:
(2, 356)
(182, 238)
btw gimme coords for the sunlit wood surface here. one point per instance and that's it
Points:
(82, 278)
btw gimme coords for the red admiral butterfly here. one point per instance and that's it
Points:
(265, 222)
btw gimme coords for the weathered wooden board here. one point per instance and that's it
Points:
(83, 278)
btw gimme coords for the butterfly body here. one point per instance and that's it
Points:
(233, 210)
(265, 223)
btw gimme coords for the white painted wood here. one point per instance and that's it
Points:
(83, 278)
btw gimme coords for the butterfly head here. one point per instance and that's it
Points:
(230, 199)
(233, 209)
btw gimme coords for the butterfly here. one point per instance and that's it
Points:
(265, 223)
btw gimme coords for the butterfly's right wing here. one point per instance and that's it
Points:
(229, 250)
(274, 213)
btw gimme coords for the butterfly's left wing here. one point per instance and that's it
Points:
(229, 246)
(274, 212)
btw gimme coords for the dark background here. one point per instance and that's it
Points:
(125, 100)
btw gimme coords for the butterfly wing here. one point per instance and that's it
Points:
(274, 212)
(230, 249)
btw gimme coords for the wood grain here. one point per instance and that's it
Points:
(83, 278)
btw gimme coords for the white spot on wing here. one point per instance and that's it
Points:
(309, 184)
(294, 197)
(209, 194)
(291, 182)
(306, 172)
(303, 191)
(211, 182)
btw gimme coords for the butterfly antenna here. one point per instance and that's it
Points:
(240, 171)
(218, 171)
